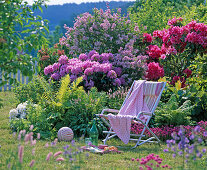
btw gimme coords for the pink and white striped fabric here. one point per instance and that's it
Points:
(142, 97)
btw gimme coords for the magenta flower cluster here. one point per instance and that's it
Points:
(100, 70)
(174, 41)
(151, 161)
(165, 132)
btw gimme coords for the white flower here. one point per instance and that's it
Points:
(12, 114)
(23, 115)
(21, 107)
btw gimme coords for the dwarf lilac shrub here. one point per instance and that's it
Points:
(103, 71)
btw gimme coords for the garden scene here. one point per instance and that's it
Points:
(61, 82)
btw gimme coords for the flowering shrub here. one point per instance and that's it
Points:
(164, 132)
(19, 112)
(179, 45)
(100, 31)
(103, 71)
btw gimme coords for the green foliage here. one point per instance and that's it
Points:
(171, 114)
(32, 91)
(54, 37)
(116, 98)
(70, 106)
(21, 32)
(154, 14)
(79, 107)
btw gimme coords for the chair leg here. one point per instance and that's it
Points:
(108, 136)
(138, 142)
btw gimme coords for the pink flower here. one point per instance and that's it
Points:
(175, 21)
(38, 135)
(48, 70)
(21, 153)
(147, 37)
(154, 71)
(154, 51)
(63, 59)
(163, 56)
(48, 156)
(83, 57)
(88, 71)
(136, 28)
(60, 159)
(32, 163)
(46, 145)
(57, 153)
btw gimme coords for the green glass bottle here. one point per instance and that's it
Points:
(93, 133)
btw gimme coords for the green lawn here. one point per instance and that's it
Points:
(9, 145)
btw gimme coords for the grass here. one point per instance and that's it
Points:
(9, 145)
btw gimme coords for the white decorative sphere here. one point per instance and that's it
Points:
(65, 134)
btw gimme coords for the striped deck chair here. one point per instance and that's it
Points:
(151, 93)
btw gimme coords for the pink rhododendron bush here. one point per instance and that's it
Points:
(175, 49)
(103, 71)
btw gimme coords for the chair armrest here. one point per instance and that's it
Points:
(108, 110)
(145, 113)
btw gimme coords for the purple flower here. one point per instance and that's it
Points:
(83, 57)
(95, 57)
(55, 76)
(48, 70)
(73, 77)
(204, 150)
(117, 82)
(88, 71)
(180, 153)
(197, 129)
(63, 59)
(192, 137)
(173, 155)
(91, 53)
(112, 74)
(118, 71)
(55, 66)
(200, 140)
(165, 150)
(205, 134)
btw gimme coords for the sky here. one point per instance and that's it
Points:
(60, 2)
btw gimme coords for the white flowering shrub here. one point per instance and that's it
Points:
(19, 112)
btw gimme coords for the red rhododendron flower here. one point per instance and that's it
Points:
(187, 72)
(154, 51)
(147, 37)
(154, 71)
(174, 21)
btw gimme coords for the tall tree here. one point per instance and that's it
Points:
(20, 33)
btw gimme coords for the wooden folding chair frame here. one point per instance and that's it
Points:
(139, 141)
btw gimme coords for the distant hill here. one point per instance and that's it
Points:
(65, 14)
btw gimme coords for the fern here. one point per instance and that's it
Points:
(171, 114)
(63, 88)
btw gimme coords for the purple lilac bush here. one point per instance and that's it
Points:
(103, 71)
(103, 31)
(164, 132)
